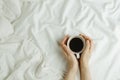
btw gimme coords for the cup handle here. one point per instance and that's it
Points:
(77, 55)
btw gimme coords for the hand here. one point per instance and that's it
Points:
(70, 57)
(85, 56)
(84, 59)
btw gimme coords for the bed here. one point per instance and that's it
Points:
(30, 32)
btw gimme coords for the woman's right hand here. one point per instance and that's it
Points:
(69, 55)
(71, 59)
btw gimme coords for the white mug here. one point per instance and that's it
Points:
(83, 43)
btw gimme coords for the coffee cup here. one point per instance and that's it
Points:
(76, 44)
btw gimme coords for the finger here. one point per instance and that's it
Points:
(64, 50)
(67, 51)
(65, 40)
(63, 44)
(86, 37)
(87, 46)
(80, 34)
(91, 47)
(91, 44)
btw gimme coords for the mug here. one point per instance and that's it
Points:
(76, 44)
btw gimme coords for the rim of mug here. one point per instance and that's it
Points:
(80, 37)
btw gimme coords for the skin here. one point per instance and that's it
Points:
(81, 64)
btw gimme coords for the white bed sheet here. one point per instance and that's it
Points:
(31, 29)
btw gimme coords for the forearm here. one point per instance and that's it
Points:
(84, 72)
(70, 74)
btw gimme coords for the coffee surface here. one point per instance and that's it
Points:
(76, 45)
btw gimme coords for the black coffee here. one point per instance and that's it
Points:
(76, 45)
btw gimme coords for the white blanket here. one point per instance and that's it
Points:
(30, 31)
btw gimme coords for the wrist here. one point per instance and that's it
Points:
(73, 65)
(72, 71)
(72, 68)
(83, 63)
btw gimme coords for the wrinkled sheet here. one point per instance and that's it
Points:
(30, 32)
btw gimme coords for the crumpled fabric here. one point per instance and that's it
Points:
(31, 30)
